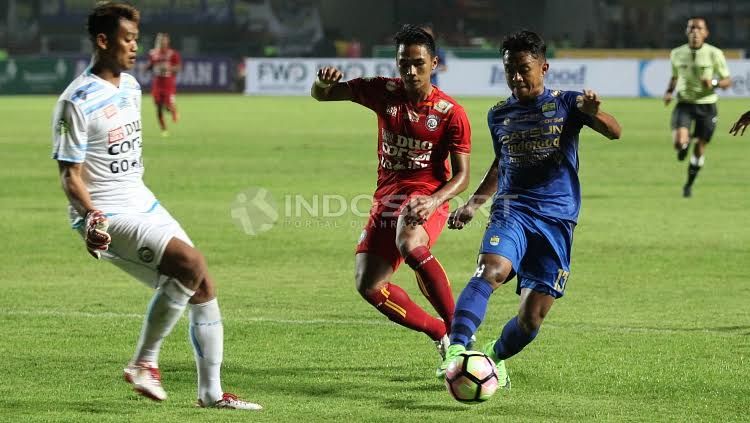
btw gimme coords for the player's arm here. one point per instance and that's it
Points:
(722, 70)
(722, 83)
(150, 66)
(670, 90)
(74, 188)
(601, 122)
(459, 179)
(177, 63)
(463, 215)
(96, 224)
(419, 208)
(328, 86)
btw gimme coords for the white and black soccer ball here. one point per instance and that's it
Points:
(471, 377)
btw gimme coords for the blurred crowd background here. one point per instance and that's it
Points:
(345, 28)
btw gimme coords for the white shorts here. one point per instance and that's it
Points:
(139, 241)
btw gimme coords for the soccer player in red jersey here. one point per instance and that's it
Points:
(424, 140)
(164, 62)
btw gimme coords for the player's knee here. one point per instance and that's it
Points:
(365, 284)
(206, 292)
(530, 320)
(530, 324)
(192, 268)
(359, 282)
(407, 241)
(496, 274)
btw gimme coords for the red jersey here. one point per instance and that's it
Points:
(414, 141)
(161, 63)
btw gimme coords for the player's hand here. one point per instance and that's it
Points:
(97, 238)
(742, 123)
(588, 102)
(707, 83)
(667, 98)
(461, 216)
(419, 209)
(329, 75)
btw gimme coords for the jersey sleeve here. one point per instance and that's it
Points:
(720, 64)
(493, 135)
(673, 64)
(369, 92)
(69, 135)
(175, 60)
(575, 116)
(459, 133)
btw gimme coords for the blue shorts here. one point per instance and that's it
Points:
(539, 249)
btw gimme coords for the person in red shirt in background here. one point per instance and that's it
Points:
(164, 62)
(424, 141)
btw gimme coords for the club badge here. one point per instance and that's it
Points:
(432, 122)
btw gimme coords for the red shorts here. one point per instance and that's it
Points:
(163, 90)
(163, 97)
(379, 234)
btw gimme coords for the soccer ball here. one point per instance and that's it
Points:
(471, 377)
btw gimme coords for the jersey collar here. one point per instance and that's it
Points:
(544, 94)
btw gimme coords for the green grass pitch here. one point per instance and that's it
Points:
(655, 324)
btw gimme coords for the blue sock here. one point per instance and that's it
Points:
(470, 310)
(513, 339)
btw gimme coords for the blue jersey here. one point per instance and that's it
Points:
(440, 53)
(537, 148)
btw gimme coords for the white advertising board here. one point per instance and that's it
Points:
(486, 77)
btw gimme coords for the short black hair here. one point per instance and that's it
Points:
(524, 40)
(414, 35)
(105, 18)
(705, 21)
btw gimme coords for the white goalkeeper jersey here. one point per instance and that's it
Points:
(99, 125)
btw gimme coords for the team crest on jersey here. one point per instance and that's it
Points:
(443, 106)
(146, 254)
(391, 86)
(391, 110)
(494, 240)
(432, 122)
(110, 111)
(412, 115)
(549, 109)
(555, 93)
(506, 121)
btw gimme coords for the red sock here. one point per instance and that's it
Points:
(395, 303)
(433, 282)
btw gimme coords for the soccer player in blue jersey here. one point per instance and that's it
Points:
(534, 177)
(442, 65)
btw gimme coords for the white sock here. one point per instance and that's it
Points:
(207, 337)
(164, 311)
(695, 161)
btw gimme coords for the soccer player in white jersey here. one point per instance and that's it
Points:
(98, 145)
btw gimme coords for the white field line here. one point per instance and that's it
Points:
(369, 322)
